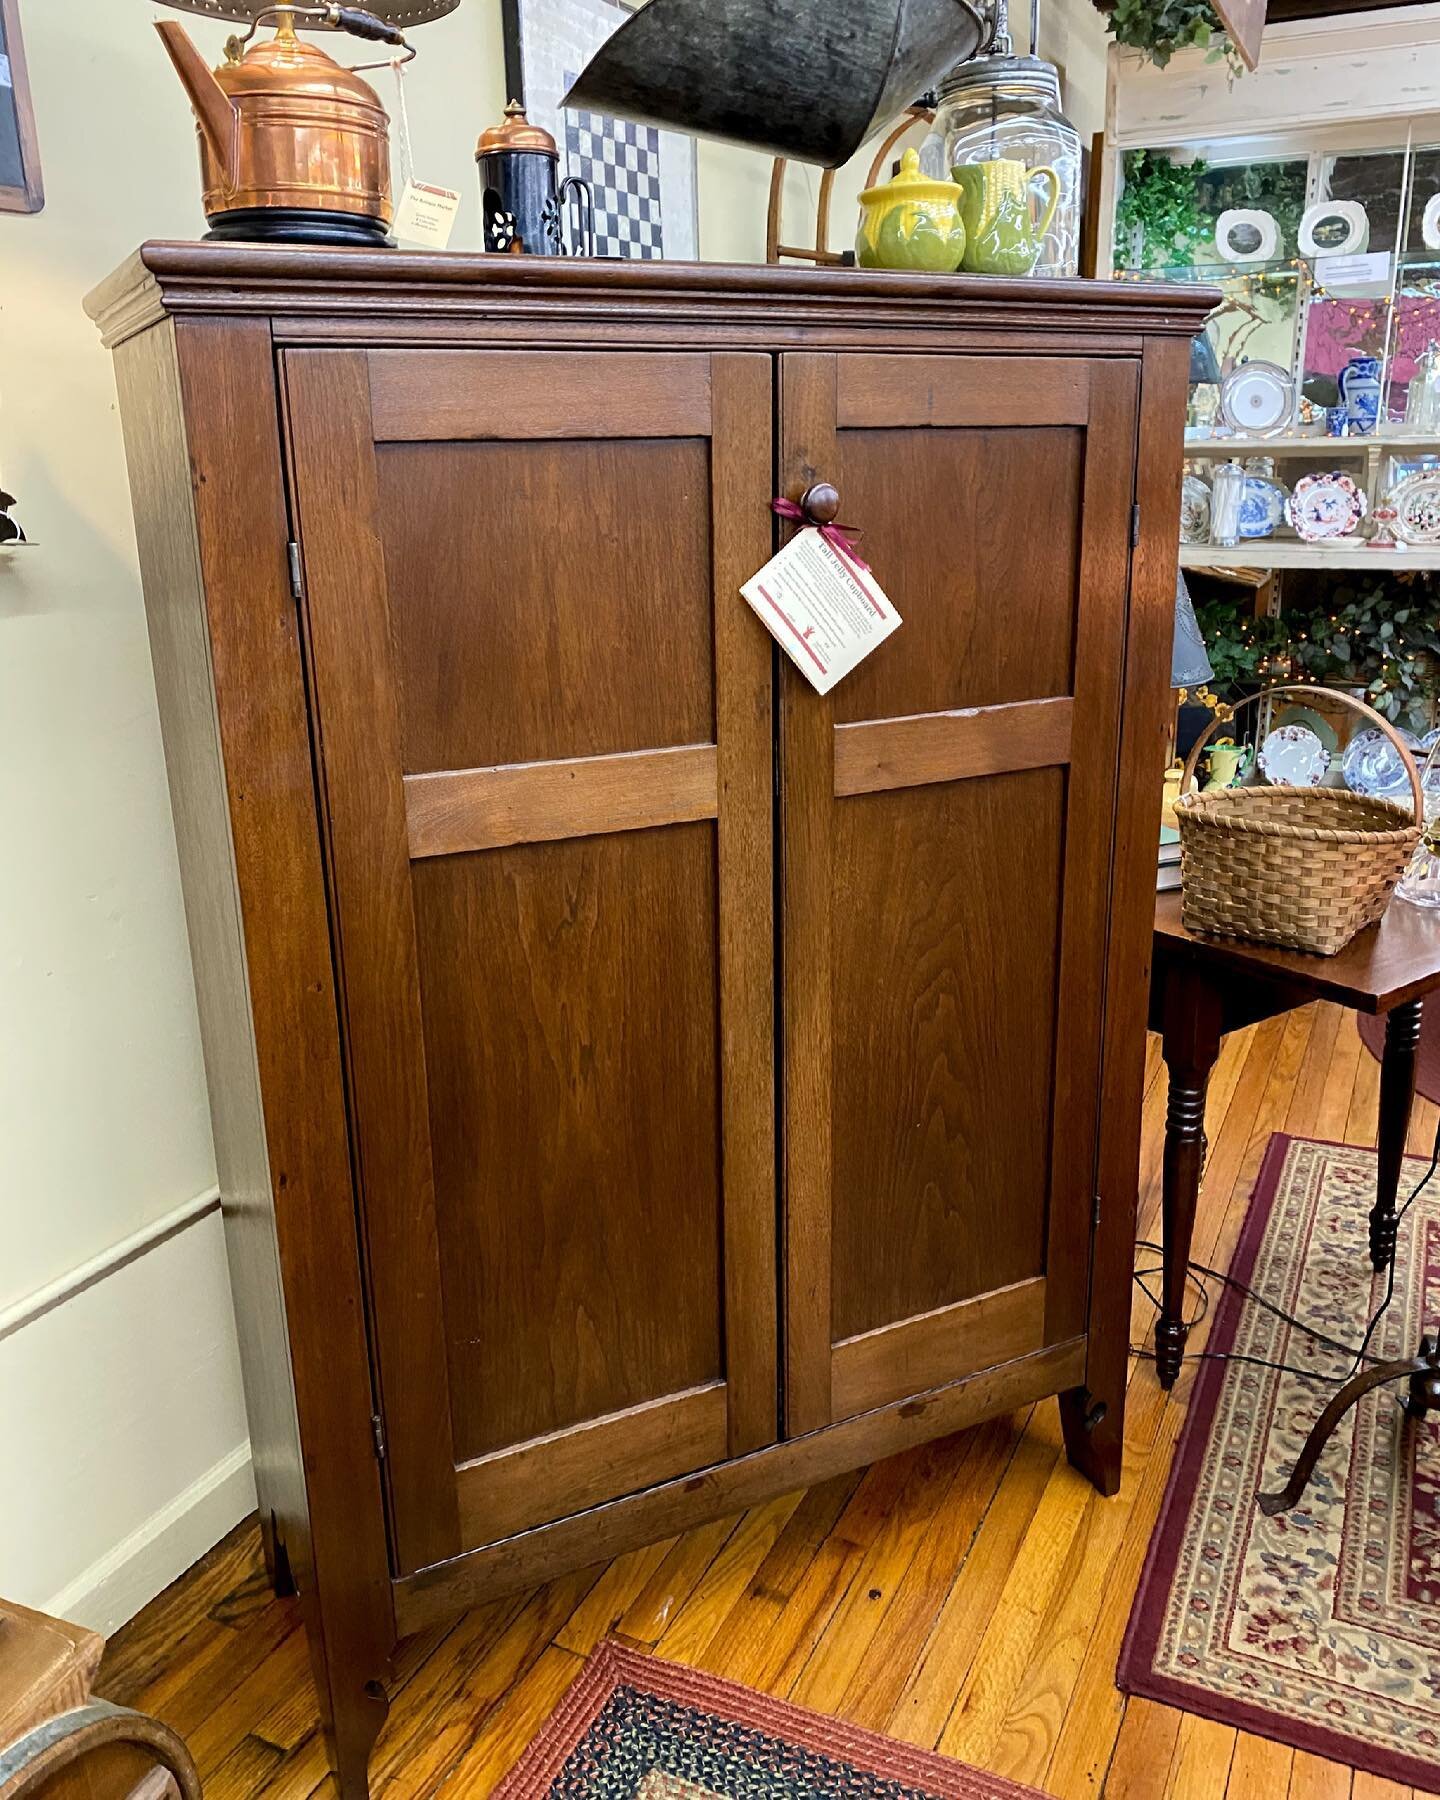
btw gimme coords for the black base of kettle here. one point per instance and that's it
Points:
(298, 225)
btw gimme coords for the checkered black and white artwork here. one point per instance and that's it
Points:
(643, 179)
(621, 162)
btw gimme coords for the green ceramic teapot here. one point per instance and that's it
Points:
(911, 222)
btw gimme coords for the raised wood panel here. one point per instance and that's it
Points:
(484, 809)
(943, 1006)
(974, 533)
(553, 1477)
(570, 1007)
(916, 391)
(955, 746)
(549, 600)
(923, 1353)
(437, 396)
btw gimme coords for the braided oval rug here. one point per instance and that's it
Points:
(632, 1727)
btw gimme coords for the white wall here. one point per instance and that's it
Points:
(122, 1434)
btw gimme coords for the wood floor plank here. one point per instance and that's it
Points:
(1260, 1766)
(940, 1669)
(605, 1605)
(512, 1725)
(1144, 1751)
(838, 1653)
(1312, 1778)
(1041, 1563)
(1372, 1787)
(701, 1616)
(876, 1686)
(681, 1571)
(1200, 1767)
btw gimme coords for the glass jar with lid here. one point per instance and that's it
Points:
(1007, 108)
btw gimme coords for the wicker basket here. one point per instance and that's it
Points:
(1302, 867)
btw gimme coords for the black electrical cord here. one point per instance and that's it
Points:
(1359, 1355)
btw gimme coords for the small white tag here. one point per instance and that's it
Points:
(1355, 270)
(826, 614)
(426, 215)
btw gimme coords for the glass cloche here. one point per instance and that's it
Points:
(1007, 108)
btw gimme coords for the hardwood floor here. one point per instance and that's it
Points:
(970, 1595)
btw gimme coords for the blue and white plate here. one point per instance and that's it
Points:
(1373, 765)
(1262, 506)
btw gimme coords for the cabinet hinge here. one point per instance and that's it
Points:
(1134, 525)
(1095, 1214)
(377, 1425)
(292, 552)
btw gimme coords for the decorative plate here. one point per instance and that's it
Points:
(1374, 766)
(1194, 511)
(1416, 499)
(1292, 756)
(1255, 397)
(1325, 506)
(1313, 721)
(1262, 506)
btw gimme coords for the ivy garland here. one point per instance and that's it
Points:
(1159, 223)
(1376, 635)
(1158, 28)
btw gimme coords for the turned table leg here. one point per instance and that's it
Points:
(1397, 1095)
(1191, 1044)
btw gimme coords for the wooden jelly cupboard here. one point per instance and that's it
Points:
(640, 1085)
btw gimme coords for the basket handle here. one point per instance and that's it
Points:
(1309, 691)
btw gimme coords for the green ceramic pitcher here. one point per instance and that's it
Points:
(1002, 234)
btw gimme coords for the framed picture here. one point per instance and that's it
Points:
(21, 189)
(643, 179)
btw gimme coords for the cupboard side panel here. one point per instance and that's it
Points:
(203, 447)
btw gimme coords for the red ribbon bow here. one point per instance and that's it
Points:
(839, 537)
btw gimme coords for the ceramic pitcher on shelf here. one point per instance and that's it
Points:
(1002, 234)
(1360, 392)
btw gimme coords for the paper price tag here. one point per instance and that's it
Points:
(826, 614)
(426, 215)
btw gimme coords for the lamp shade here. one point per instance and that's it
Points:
(403, 13)
(1189, 660)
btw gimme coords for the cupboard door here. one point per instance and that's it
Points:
(947, 824)
(544, 731)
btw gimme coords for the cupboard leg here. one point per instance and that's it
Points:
(1397, 1096)
(277, 1558)
(353, 1709)
(1094, 1427)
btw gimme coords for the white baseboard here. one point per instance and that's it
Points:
(114, 1588)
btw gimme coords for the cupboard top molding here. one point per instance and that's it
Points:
(322, 295)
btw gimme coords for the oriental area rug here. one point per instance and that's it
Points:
(1320, 1628)
(635, 1728)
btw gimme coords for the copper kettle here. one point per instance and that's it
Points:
(294, 147)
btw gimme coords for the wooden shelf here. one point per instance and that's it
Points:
(1272, 553)
(1312, 444)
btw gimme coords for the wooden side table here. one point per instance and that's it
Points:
(1201, 988)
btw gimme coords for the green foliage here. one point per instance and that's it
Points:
(1379, 634)
(1158, 28)
(1159, 223)
(1274, 187)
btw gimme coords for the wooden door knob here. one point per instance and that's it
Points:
(821, 503)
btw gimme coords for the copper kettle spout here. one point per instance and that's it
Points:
(213, 107)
